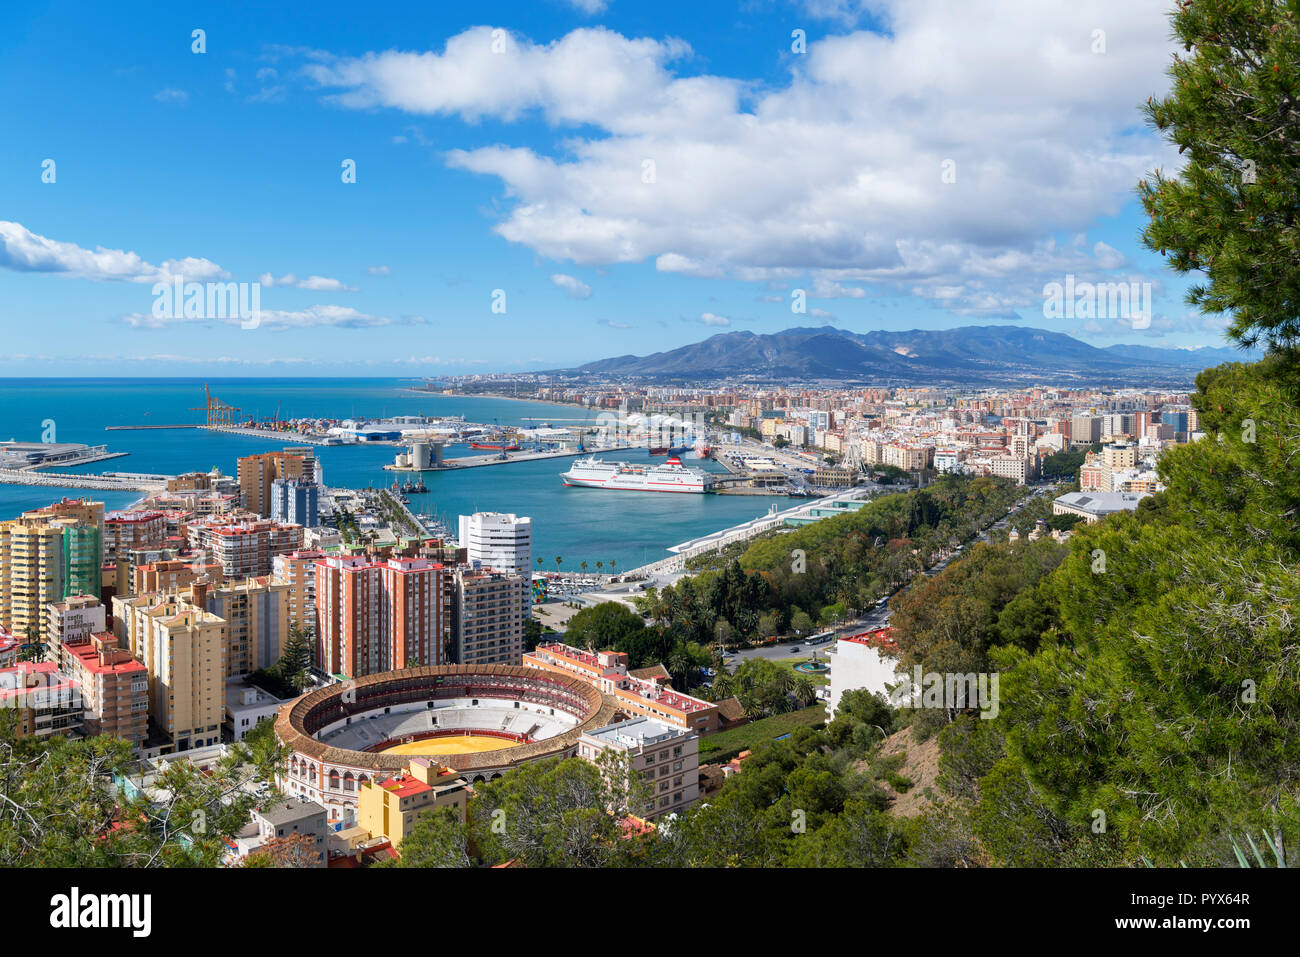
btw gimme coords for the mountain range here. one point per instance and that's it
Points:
(966, 354)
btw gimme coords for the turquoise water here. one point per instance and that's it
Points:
(589, 525)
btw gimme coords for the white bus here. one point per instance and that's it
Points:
(819, 639)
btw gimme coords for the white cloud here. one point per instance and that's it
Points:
(827, 289)
(313, 283)
(835, 174)
(589, 7)
(710, 319)
(170, 95)
(576, 288)
(24, 251)
(378, 271)
(339, 317)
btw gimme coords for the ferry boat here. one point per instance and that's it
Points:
(672, 476)
(658, 450)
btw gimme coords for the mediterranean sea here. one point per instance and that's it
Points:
(575, 524)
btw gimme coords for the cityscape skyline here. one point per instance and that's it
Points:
(626, 184)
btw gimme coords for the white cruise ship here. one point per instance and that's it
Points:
(672, 476)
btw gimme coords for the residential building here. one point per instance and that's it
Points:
(128, 530)
(374, 616)
(1019, 470)
(183, 648)
(256, 612)
(244, 549)
(173, 575)
(45, 701)
(666, 756)
(247, 706)
(298, 570)
(295, 502)
(37, 567)
(74, 619)
(498, 540)
(114, 685)
(488, 616)
(257, 473)
(861, 661)
(281, 821)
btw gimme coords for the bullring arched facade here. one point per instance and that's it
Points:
(331, 776)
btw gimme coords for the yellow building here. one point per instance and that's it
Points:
(184, 649)
(390, 807)
(1119, 456)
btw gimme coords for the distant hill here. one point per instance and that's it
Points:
(967, 354)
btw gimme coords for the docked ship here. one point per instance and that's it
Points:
(672, 476)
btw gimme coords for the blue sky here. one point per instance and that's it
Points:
(632, 176)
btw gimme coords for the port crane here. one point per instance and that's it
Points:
(220, 415)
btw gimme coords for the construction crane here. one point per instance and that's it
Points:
(220, 415)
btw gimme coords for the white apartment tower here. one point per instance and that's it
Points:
(498, 540)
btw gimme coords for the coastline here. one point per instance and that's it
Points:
(494, 395)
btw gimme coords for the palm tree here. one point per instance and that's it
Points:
(805, 692)
(680, 666)
(783, 683)
(539, 561)
(723, 685)
(583, 566)
(612, 563)
(599, 566)
(558, 562)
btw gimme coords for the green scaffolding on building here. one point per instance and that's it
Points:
(82, 551)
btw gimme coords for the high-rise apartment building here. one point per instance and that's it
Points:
(244, 549)
(298, 571)
(295, 502)
(374, 616)
(114, 685)
(41, 561)
(183, 649)
(257, 473)
(125, 531)
(256, 612)
(488, 617)
(498, 540)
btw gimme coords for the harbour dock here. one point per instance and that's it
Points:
(103, 483)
